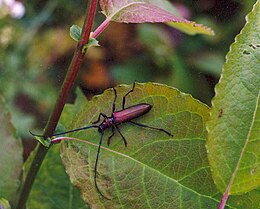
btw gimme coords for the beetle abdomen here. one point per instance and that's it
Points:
(131, 112)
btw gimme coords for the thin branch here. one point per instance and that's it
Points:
(100, 29)
(55, 116)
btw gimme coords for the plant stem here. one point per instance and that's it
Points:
(223, 200)
(73, 69)
(102, 27)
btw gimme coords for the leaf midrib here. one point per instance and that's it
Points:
(245, 145)
(139, 162)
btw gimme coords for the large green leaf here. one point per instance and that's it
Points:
(234, 126)
(52, 188)
(155, 170)
(11, 156)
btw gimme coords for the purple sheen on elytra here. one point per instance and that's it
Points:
(130, 113)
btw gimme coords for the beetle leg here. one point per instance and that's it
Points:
(100, 114)
(96, 163)
(146, 126)
(123, 104)
(117, 128)
(109, 138)
(114, 102)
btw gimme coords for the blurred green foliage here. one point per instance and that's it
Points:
(36, 50)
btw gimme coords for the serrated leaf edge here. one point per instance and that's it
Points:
(226, 193)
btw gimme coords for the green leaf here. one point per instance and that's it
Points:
(140, 11)
(234, 125)
(11, 155)
(75, 32)
(190, 27)
(52, 188)
(154, 170)
(249, 200)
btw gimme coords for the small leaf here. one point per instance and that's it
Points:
(11, 156)
(75, 32)
(140, 11)
(153, 167)
(234, 145)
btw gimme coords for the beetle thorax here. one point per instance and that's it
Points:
(107, 122)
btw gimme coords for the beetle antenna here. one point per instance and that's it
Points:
(66, 132)
(95, 168)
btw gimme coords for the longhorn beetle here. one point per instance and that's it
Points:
(116, 118)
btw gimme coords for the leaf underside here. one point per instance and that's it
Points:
(234, 125)
(141, 11)
(154, 170)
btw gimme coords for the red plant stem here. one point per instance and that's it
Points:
(223, 200)
(100, 29)
(55, 116)
(72, 72)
